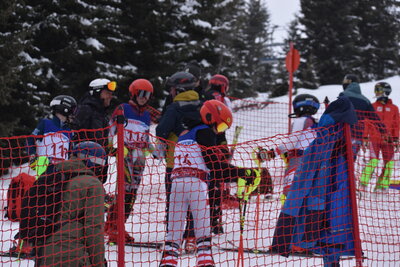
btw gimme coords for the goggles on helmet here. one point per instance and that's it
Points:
(143, 93)
(222, 127)
(111, 86)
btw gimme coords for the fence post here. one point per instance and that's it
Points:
(120, 190)
(352, 192)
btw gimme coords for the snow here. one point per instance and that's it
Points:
(379, 224)
(95, 43)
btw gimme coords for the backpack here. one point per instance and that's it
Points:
(18, 187)
(42, 206)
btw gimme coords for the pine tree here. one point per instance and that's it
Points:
(331, 36)
(379, 38)
(257, 35)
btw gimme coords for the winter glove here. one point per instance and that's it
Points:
(249, 183)
(264, 154)
(39, 164)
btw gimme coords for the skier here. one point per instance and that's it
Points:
(62, 217)
(183, 112)
(193, 68)
(217, 88)
(364, 109)
(389, 114)
(136, 141)
(91, 113)
(302, 134)
(196, 156)
(53, 139)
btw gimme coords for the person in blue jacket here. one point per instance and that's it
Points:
(316, 215)
(50, 140)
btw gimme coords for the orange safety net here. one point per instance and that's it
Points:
(301, 211)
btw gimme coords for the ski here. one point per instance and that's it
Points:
(235, 139)
(156, 245)
(16, 255)
(269, 252)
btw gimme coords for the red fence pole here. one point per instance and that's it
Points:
(120, 190)
(352, 192)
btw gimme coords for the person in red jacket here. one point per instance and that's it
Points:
(389, 114)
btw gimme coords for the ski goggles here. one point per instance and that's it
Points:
(222, 127)
(144, 93)
(112, 86)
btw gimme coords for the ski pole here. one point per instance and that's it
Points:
(21, 245)
(242, 210)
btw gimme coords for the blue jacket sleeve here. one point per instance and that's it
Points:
(31, 141)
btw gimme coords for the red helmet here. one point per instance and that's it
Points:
(221, 81)
(141, 87)
(214, 112)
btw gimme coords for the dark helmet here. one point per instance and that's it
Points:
(305, 104)
(182, 81)
(384, 88)
(94, 156)
(194, 68)
(63, 104)
(348, 79)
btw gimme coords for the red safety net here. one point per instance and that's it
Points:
(310, 206)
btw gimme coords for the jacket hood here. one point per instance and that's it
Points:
(354, 90)
(187, 96)
(339, 111)
(74, 167)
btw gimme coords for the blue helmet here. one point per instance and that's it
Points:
(305, 104)
(94, 156)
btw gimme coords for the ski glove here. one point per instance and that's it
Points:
(249, 183)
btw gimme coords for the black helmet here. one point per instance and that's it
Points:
(305, 104)
(348, 79)
(182, 81)
(193, 68)
(63, 104)
(383, 87)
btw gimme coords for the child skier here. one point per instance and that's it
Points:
(389, 114)
(136, 140)
(53, 141)
(302, 134)
(195, 157)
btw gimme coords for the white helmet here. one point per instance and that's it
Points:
(99, 84)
